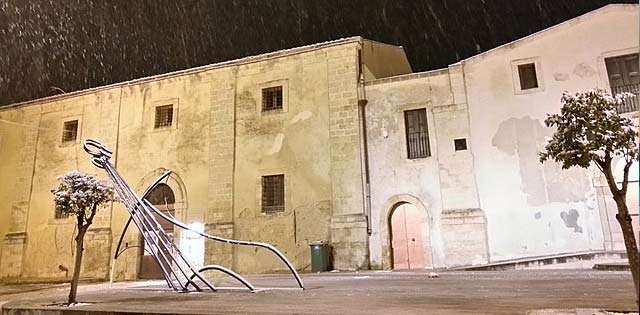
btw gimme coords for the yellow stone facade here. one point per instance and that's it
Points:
(219, 146)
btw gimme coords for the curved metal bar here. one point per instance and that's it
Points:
(100, 158)
(144, 195)
(230, 241)
(141, 211)
(164, 257)
(126, 226)
(146, 225)
(227, 271)
(167, 272)
(155, 184)
(151, 219)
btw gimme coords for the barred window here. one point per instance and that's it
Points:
(527, 75)
(272, 98)
(417, 133)
(624, 76)
(164, 116)
(70, 131)
(60, 215)
(272, 194)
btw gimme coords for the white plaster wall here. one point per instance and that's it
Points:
(523, 199)
(392, 174)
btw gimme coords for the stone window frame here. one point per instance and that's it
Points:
(430, 129)
(78, 131)
(151, 115)
(516, 75)
(602, 67)
(61, 216)
(54, 220)
(287, 193)
(284, 83)
(417, 151)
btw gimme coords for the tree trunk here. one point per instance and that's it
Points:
(77, 265)
(629, 238)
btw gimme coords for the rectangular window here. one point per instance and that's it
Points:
(60, 215)
(70, 131)
(164, 116)
(460, 144)
(272, 194)
(415, 122)
(624, 76)
(272, 98)
(527, 75)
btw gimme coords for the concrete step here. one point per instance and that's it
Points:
(538, 262)
(614, 266)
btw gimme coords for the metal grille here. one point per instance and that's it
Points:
(630, 104)
(623, 72)
(415, 122)
(272, 193)
(528, 77)
(164, 116)
(70, 131)
(272, 98)
(58, 214)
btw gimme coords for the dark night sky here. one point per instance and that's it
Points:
(78, 44)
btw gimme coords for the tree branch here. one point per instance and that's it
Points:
(600, 166)
(93, 214)
(625, 178)
(608, 174)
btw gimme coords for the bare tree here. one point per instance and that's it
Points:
(80, 195)
(590, 130)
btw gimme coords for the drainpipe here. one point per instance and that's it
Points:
(362, 103)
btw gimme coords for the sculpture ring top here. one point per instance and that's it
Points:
(98, 151)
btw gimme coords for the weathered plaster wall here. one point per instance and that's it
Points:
(143, 152)
(293, 142)
(219, 146)
(442, 181)
(49, 239)
(17, 144)
(557, 208)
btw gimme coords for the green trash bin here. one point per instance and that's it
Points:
(319, 256)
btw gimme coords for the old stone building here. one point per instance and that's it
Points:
(337, 141)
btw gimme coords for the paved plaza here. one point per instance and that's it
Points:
(370, 292)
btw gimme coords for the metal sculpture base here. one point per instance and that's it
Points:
(176, 269)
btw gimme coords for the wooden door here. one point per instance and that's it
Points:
(406, 238)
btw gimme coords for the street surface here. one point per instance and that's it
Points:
(369, 292)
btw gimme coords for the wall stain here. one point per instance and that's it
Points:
(561, 76)
(583, 70)
(570, 219)
(542, 183)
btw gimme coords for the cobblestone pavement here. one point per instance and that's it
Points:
(460, 292)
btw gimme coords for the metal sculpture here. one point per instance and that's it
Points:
(178, 272)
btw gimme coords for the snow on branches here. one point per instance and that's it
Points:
(589, 129)
(81, 194)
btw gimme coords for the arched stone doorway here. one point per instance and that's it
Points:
(171, 198)
(163, 198)
(407, 249)
(406, 234)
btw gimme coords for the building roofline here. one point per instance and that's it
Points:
(222, 64)
(550, 28)
(381, 43)
(407, 77)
